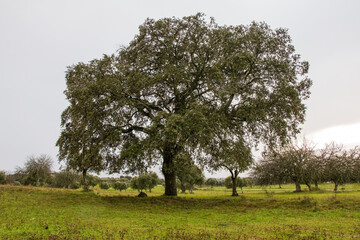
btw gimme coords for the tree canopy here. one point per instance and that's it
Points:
(37, 170)
(178, 88)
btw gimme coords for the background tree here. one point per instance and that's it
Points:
(134, 183)
(317, 168)
(36, 170)
(91, 180)
(104, 185)
(269, 172)
(337, 165)
(153, 181)
(142, 182)
(232, 155)
(241, 182)
(354, 155)
(2, 177)
(120, 186)
(298, 162)
(189, 174)
(312, 170)
(66, 179)
(180, 82)
(19, 176)
(291, 162)
(211, 182)
(80, 143)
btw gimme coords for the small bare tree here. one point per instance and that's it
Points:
(37, 169)
(338, 164)
(290, 163)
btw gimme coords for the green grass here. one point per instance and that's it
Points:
(259, 213)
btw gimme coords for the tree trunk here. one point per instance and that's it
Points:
(336, 187)
(234, 182)
(309, 186)
(86, 186)
(298, 187)
(316, 185)
(168, 170)
(279, 185)
(170, 184)
(182, 187)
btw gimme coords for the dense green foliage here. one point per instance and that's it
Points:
(2, 177)
(91, 180)
(211, 182)
(104, 185)
(189, 174)
(145, 181)
(120, 186)
(66, 179)
(45, 213)
(184, 87)
(240, 182)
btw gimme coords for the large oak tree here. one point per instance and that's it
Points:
(182, 84)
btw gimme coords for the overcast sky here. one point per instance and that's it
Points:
(39, 39)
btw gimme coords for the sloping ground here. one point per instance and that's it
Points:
(46, 213)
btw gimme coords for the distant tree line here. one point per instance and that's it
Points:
(37, 172)
(306, 165)
(297, 164)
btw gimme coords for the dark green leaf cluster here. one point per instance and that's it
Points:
(120, 185)
(104, 185)
(2, 177)
(66, 179)
(189, 175)
(240, 182)
(144, 181)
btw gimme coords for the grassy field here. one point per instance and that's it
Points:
(259, 213)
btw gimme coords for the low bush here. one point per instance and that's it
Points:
(66, 179)
(104, 185)
(120, 186)
(17, 183)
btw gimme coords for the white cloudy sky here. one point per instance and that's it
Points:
(38, 39)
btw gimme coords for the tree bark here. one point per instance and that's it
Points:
(86, 186)
(234, 192)
(170, 184)
(182, 187)
(316, 185)
(298, 187)
(234, 175)
(168, 170)
(309, 186)
(336, 187)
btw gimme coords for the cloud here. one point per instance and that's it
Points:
(348, 135)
